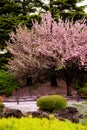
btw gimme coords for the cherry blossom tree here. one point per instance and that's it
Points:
(48, 45)
(64, 45)
(21, 45)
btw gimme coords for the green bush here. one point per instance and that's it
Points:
(79, 84)
(82, 91)
(7, 83)
(52, 103)
(75, 84)
(38, 124)
(80, 81)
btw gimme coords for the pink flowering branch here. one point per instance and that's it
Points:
(48, 44)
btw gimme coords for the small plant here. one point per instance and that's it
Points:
(1, 109)
(82, 91)
(81, 107)
(83, 121)
(1, 106)
(52, 103)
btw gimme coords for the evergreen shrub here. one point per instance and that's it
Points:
(52, 103)
(7, 83)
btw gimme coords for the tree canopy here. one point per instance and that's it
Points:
(66, 9)
(49, 44)
(13, 13)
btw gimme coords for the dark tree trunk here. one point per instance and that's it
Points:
(68, 91)
(68, 78)
(53, 80)
(29, 81)
(68, 83)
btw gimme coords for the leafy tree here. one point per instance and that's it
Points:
(49, 45)
(4, 60)
(12, 13)
(66, 9)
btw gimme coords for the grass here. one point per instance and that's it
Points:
(81, 107)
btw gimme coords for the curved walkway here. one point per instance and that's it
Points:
(30, 105)
(23, 106)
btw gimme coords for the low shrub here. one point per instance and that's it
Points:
(38, 124)
(52, 103)
(82, 91)
(7, 83)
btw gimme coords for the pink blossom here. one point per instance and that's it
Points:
(48, 43)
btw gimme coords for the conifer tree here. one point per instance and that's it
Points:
(66, 9)
(12, 13)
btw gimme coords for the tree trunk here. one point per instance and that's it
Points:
(68, 90)
(29, 81)
(53, 80)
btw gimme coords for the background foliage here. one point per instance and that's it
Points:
(7, 83)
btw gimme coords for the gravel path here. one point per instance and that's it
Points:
(23, 106)
(30, 106)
